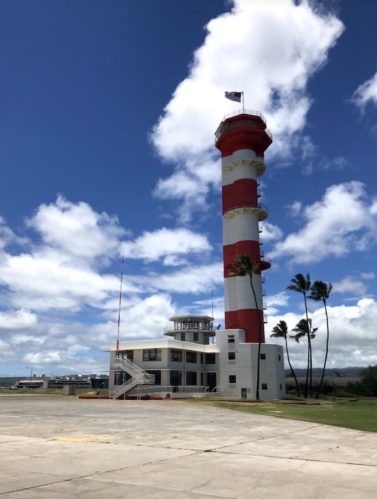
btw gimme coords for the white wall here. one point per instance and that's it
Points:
(244, 367)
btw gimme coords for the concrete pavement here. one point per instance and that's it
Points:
(62, 447)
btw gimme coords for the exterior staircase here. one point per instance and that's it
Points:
(138, 377)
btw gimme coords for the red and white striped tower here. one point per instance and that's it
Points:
(242, 140)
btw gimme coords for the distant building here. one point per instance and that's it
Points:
(75, 380)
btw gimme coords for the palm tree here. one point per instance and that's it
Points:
(300, 284)
(320, 291)
(242, 266)
(281, 331)
(304, 328)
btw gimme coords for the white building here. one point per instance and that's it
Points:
(196, 359)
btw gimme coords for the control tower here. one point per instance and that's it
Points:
(242, 140)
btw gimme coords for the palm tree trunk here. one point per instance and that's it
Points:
(327, 350)
(307, 374)
(291, 368)
(309, 369)
(257, 396)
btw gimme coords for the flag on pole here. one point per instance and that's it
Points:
(234, 96)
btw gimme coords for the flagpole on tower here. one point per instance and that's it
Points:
(243, 102)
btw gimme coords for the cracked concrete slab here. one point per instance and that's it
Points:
(62, 447)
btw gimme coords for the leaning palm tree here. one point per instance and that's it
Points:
(242, 266)
(300, 284)
(320, 291)
(304, 329)
(281, 331)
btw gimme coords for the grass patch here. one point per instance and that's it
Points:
(356, 414)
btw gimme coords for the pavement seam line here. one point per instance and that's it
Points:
(98, 473)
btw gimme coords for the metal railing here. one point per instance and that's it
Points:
(258, 206)
(224, 125)
(189, 326)
(138, 377)
(172, 389)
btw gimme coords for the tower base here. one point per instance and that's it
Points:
(238, 367)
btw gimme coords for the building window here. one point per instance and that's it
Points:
(183, 336)
(202, 379)
(130, 355)
(196, 337)
(191, 357)
(263, 356)
(279, 357)
(232, 378)
(152, 354)
(264, 386)
(175, 378)
(201, 358)
(281, 386)
(230, 339)
(210, 358)
(176, 355)
(231, 355)
(157, 377)
(190, 378)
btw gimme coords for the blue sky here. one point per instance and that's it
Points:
(108, 111)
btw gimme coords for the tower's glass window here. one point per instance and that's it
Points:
(232, 378)
(191, 357)
(210, 358)
(190, 378)
(152, 354)
(176, 355)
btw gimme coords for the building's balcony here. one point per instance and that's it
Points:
(260, 210)
(258, 123)
(190, 326)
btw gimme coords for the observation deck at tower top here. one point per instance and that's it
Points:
(229, 122)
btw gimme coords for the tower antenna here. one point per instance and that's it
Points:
(212, 301)
(120, 300)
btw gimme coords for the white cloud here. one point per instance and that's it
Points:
(335, 225)
(349, 285)
(295, 208)
(19, 319)
(373, 208)
(368, 275)
(190, 279)
(352, 335)
(275, 302)
(44, 281)
(76, 229)
(7, 236)
(43, 358)
(61, 271)
(164, 243)
(242, 41)
(270, 231)
(366, 93)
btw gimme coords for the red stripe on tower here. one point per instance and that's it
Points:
(242, 140)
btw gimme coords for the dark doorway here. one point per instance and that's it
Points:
(211, 381)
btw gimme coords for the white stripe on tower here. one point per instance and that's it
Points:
(242, 141)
